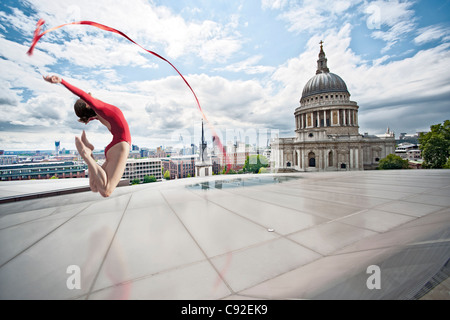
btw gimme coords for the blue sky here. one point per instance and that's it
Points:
(247, 61)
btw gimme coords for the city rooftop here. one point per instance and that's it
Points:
(271, 236)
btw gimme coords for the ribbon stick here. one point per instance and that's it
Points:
(38, 35)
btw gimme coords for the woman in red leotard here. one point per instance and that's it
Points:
(102, 179)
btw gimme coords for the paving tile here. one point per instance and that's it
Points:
(193, 282)
(21, 230)
(329, 237)
(21, 217)
(217, 230)
(363, 190)
(409, 208)
(318, 207)
(41, 271)
(431, 199)
(313, 278)
(283, 220)
(15, 239)
(249, 267)
(148, 241)
(107, 205)
(435, 225)
(146, 198)
(376, 220)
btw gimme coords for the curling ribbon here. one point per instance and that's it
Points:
(38, 35)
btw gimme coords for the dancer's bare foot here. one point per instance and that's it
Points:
(82, 149)
(86, 142)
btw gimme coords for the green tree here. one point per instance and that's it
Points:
(263, 170)
(149, 179)
(254, 163)
(135, 181)
(435, 145)
(228, 171)
(167, 175)
(392, 161)
(447, 164)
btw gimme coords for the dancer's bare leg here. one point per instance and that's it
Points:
(92, 182)
(115, 165)
(91, 147)
(106, 178)
(97, 176)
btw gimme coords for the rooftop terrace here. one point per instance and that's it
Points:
(282, 236)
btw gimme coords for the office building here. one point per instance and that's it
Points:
(139, 168)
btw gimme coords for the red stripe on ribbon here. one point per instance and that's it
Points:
(38, 35)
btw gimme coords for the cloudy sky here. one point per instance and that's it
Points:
(246, 60)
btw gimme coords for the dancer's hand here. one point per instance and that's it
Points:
(52, 79)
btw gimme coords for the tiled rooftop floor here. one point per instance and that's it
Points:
(311, 237)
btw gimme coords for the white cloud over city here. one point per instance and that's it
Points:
(247, 63)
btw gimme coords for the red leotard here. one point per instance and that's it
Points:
(112, 114)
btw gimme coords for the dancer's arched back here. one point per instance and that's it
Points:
(102, 179)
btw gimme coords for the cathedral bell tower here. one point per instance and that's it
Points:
(322, 62)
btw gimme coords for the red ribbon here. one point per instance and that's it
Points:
(37, 36)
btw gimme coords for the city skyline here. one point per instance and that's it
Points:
(246, 60)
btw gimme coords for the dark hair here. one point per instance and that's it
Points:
(82, 111)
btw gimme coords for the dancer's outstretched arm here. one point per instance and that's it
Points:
(90, 100)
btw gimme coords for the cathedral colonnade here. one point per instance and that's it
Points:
(327, 118)
(312, 158)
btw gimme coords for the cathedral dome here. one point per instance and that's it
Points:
(324, 83)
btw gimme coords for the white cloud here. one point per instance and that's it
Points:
(97, 52)
(311, 16)
(249, 66)
(304, 19)
(16, 52)
(157, 110)
(391, 20)
(42, 113)
(18, 21)
(273, 4)
(432, 33)
(46, 110)
(150, 26)
(7, 96)
(392, 11)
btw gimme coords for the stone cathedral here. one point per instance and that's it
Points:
(327, 137)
